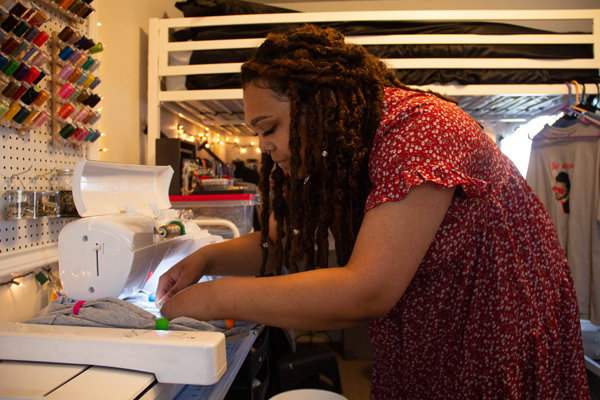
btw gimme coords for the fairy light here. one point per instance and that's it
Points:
(227, 139)
(251, 143)
(258, 149)
(237, 140)
(207, 145)
(102, 134)
(99, 24)
(222, 143)
(243, 150)
(105, 149)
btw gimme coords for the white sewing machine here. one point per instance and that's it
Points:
(127, 231)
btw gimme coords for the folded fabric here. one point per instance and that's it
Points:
(110, 312)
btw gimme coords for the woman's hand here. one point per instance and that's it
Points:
(180, 276)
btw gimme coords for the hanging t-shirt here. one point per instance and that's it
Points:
(565, 174)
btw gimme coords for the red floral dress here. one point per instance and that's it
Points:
(491, 312)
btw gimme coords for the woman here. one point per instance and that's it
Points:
(445, 249)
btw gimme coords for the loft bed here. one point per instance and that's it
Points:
(496, 68)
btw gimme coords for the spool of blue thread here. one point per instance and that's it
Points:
(82, 42)
(95, 83)
(3, 60)
(96, 136)
(81, 79)
(65, 53)
(30, 53)
(31, 34)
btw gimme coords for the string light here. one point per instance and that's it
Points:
(222, 143)
(237, 140)
(243, 150)
(258, 149)
(99, 24)
(105, 149)
(207, 145)
(251, 143)
(40, 277)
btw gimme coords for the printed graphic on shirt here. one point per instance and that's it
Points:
(562, 188)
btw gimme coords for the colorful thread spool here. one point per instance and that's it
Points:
(67, 131)
(18, 9)
(34, 112)
(20, 92)
(88, 12)
(89, 117)
(20, 49)
(83, 97)
(74, 56)
(65, 53)
(10, 89)
(74, 76)
(40, 120)
(43, 74)
(66, 33)
(4, 106)
(66, 91)
(12, 111)
(9, 46)
(10, 67)
(3, 60)
(95, 119)
(88, 45)
(31, 34)
(82, 79)
(76, 37)
(87, 64)
(65, 72)
(75, 6)
(29, 53)
(41, 99)
(94, 66)
(30, 95)
(83, 10)
(96, 136)
(38, 19)
(66, 111)
(88, 81)
(32, 76)
(80, 61)
(40, 39)
(40, 59)
(94, 84)
(21, 28)
(22, 114)
(81, 114)
(9, 23)
(97, 48)
(21, 72)
(65, 3)
(74, 96)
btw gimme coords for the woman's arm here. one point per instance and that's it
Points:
(391, 244)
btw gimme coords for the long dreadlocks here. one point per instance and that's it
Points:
(338, 88)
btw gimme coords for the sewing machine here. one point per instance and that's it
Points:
(127, 231)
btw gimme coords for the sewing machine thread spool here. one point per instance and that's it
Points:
(172, 229)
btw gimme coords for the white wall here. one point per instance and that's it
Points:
(124, 33)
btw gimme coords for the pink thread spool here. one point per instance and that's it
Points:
(66, 91)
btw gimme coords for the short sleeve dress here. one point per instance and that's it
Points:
(491, 312)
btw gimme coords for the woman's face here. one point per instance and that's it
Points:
(269, 115)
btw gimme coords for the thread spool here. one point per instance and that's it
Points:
(29, 13)
(74, 56)
(32, 76)
(21, 72)
(74, 96)
(76, 133)
(40, 39)
(95, 83)
(65, 3)
(66, 33)
(82, 79)
(88, 81)
(67, 131)
(38, 19)
(23, 53)
(22, 114)
(97, 48)
(40, 119)
(96, 136)
(89, 117)
(94, 66)
(87, 64)
(40, 59)
(20, 49)
(65, 53)
(84, 9)
(31, 34)
(43, 74)
(18, 9)
(21, 28)
(75, 6)
(76, 37)
(65, 72)
(10, 45)
(41, 99)
(81, 114)
(173, 229)
(66, 111)
(88, 12)
(80, 61)
(12, 111)
(95, 99)
(10, 89)
(9, 23)
(29, 53)
(74, 76)
(10, 67)
(88, 45)
(4, 106)
(34, 112)
(30, 95)
(20, 92)
(3, 60)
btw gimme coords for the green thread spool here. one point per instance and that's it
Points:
(10, 67)
(66, 131)
(88, 63)
(3, 108)
(22, 115)
(21, 29)
(97, 48)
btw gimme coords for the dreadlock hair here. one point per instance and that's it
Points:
(338, 88)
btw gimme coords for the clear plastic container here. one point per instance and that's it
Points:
(49, 202)
(237, 208)
(64, 179)
(23, 204)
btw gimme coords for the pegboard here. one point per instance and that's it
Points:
(22, 241)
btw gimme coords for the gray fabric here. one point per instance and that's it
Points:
(558, 150)
(110, 312)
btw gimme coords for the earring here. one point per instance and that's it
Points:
(269, 153)
(324, 153)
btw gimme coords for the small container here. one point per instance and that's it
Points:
(49, 200)
(23, 204)
(64, 179)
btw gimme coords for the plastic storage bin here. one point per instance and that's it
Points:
(237, 208)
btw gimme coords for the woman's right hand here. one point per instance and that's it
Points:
(180, 276)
